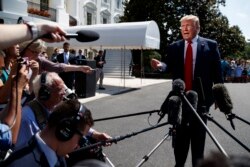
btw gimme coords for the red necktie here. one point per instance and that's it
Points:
(189, 67)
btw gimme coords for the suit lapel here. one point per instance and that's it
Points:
(181, 58)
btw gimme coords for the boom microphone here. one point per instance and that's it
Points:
(224, 101)
(81, 36)
(174, 110)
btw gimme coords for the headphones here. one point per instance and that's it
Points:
(44, 91)
(67, 127)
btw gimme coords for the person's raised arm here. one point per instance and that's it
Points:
(17, 33)
(11, 115)
(81, 68)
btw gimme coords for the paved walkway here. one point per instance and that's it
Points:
(118, 85)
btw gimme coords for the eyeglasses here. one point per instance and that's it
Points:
(188, 27)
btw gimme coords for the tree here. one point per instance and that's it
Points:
(167, 14)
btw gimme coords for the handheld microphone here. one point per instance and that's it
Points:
(174, 110)
(81, 36)
(224, 101)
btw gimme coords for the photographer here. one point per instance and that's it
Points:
(10, 69)
(10, 117)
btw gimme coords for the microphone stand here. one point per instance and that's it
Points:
(127, 115)
(204, 125)
(210, 118)
(119, 138)
(146, 157)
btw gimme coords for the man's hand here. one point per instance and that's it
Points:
(34, 65)
(57, 34)
(22, 79)
(155, 64)
(87, 69)
(101, 137)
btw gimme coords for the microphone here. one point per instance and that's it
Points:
(69, 94)
(178, 87)
(192, 97)
(174, 110)
(224, 101)
(81, 36)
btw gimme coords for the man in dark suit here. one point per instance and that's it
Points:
(67, 58)
(199, 71)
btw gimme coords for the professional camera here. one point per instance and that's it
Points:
(23, 60)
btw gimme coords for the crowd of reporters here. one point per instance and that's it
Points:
(31, 93)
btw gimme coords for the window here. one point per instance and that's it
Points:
(89, 18)
(104, 20)
(44, 5)
(118, 4)
(106, 1)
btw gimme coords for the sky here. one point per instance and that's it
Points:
(238, 13)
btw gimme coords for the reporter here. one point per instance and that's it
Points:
(10, 117)
(33, 53)
(14, 34)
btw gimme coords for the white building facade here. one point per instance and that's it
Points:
(63, 12)
(71, 13)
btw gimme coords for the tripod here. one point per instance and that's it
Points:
(168, 135)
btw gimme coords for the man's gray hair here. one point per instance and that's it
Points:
(50, 79)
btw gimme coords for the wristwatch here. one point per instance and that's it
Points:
(33, 29)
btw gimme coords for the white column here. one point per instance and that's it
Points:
(98, 11)
(62, 16)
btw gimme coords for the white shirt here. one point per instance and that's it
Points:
(66, 57)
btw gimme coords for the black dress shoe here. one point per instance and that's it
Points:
(101, 88)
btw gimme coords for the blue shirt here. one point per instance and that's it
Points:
(29, 126)
(5, 137)
(33, 158)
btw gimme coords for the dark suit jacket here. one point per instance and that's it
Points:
(207, 66)
(67, 77)
(72, 59)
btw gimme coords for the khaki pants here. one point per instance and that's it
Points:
(99, 75)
